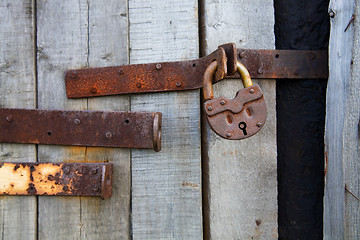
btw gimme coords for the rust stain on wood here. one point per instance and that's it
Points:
(188, 184)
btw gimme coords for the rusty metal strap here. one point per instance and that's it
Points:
(81, 128)
(66, 179)
(187, 75)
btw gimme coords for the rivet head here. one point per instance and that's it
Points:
(210, 108)
(222, 102)
(178, 84)
(242, 54)
(228, 135)
(9, 118)
(73, 75)
(108, 135)
(158, 66)
(121, 71)
(93, 90)
(77, 121)
(312, 56)
(260, 71)
(252, 91)
(96, 188)
(94, 170)
(259, 124)
(66, 170)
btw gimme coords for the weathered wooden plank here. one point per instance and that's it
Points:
(341, 208)
(73, 37)
(351, 143)
(340, 57)
(17, 89)
(62, 41)
(166, 186)
(109, 219)
(241, 197)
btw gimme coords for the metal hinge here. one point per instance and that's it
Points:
(188, 75)
(64, 179)
(81, 128)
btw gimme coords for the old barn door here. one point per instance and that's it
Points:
(190, 189)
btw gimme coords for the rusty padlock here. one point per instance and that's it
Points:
(237, 118)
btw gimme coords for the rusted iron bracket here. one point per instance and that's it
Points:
(65, 179)
(81, 128)
(187, 75)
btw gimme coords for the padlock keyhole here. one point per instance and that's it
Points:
(242, 126)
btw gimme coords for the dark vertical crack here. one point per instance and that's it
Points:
(3, 225)
(81, 224)
(204, 137)
(35, 65)
(129, 99)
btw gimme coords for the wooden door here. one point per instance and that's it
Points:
(199, 185)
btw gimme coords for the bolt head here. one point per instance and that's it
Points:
(65, 188)
(259, 124)
(93, 90)
(260, 71)
(222, 102)
(331, 13)
(228, 135)
(158, 66)
(9, 118)
(96, 188)
(77, 121)
(108, 135)
(94, 170)
(73, 75)
(210, 108)
(121, 71)
(66, 170)
(138, 84)
(178, 84)
(252, 91)
(242, 54)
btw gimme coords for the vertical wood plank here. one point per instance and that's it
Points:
(242, 175)
(108, 219)
(340, 56)
(71, 35)
(166, 186)
(62, 43)
(351, 157)
(17, 90)
(341, 208)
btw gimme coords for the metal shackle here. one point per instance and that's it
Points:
(210, 72)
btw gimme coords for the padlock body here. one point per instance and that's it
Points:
(237, 118)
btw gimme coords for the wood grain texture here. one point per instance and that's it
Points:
(340, 56)
(109, 219)
(71, 35)
(351, 140)
(351, 144)
(62, 42)
(17, 90)
(166, 186)
(242, 175)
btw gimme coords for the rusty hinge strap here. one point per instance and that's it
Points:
(187, 75)
(81, 128)
(66, 179)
